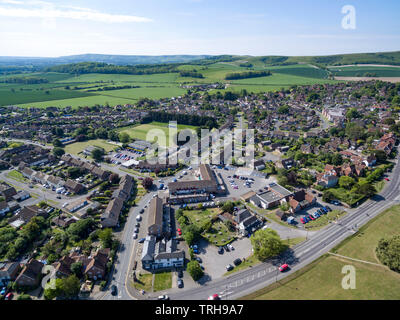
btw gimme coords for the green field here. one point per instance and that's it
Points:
(360, 71)
(322, 279)
(140, 131)
(77, 147)
(162, 281)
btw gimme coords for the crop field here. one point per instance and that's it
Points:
(140, 131)
(361, 71)
(322, 279)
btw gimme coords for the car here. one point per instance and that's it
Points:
(141, 211)
(141, 240)
(202, 267)
(229, 267)
(198, 259)
(387, 179)
(328, 208)
(9, 296)
(214, 297)
(180, 274)
(114, 290)
(237, 261)
(3, 291)
(138, 218)
(227, 249)
(311, 217)
(303, 221)
(136, 230)
(283, 267)
(230, 247)
(196, 251)
(135, 236)
(163, 297)
(65, 204)
(220, 250)
(58, 197)
(180, 283)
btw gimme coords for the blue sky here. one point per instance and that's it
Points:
(155, 27)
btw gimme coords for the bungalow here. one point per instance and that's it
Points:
(21, 196)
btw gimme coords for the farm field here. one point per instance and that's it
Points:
(64, 89)
(361, 71)
(140, 131)
(322, 279)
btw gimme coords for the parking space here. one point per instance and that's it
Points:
(124, 155)
(215, 264)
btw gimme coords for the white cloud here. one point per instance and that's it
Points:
(48, 10)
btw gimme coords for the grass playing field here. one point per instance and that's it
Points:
(141, 132)
(322, 279)
(77, 147)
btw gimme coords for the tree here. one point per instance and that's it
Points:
(346, 182)
(58, 152)
(328, 196)
(266, 243)
(147, 183)
(337, 159)
(97, 154)
(106, 237)
(194, 269)
(388, 252)
(189, 238)
(228, 207)
(70, 286)
(76, 268)
(380, 155)
(57, 143)
(366, 189)
(124, 137)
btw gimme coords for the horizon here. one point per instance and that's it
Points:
(33, 28)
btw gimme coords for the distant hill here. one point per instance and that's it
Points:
(104, 58)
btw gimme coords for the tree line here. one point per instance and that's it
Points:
(247, 74)
(25, 80)
(187, 119)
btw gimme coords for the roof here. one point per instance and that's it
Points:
(279, 189)
(156, 211)
(149, 246)
(113, 210)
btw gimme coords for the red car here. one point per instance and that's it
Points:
(214, 297)
(311, 217)
(387, 179)
(283, 267)
(302, 220)
(9, 296)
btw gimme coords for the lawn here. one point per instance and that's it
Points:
(145, 282)
(77, 147)
(16, 175)
(201, 216)
(219, 234)
(140, 132)
(322, 279)
(162, 281)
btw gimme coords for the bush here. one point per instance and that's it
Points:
(388, 252)
(194, 269)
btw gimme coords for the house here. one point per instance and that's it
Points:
(97, 267)
(300, 200)
(26, 214)
(7, 191)
(246, 222)
(161, 255)
(74, 187)
(286, 163)
(327, 180)
(30, 275)
(110, 216)
(63, 221)
(8, 272)
(259, 164)
(272, 197)
(21, 196)
(4, 208)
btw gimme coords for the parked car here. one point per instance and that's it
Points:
(214, 297)
(135, 236)
(237, 261)
(227, 248)
(180, 283)
(180, 274)
(283, 267)
(114, 290)
(138, 218)
(220, 250)
(141, 240)
(136, 230)
(311, 217)
(198, 259)
(303, 221)
(3, 291)
(9, 296)
(163, 297)
(230, 247)
(229, 267)
(141, 211)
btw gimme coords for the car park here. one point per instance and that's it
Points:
(283, 267)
